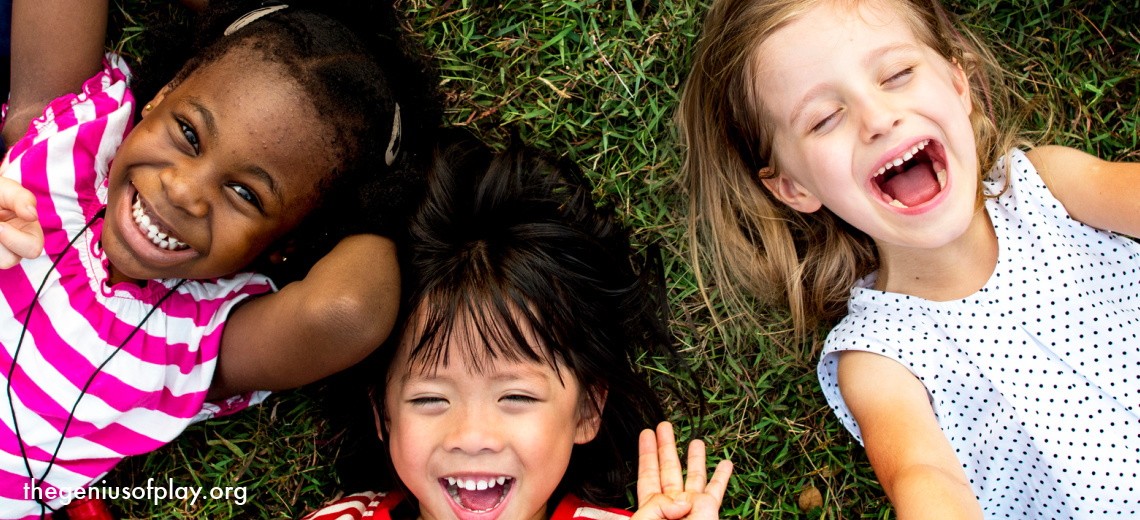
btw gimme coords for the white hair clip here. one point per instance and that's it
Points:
(394, 141)
(251, 16)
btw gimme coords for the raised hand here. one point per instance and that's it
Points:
(20, 233)
(662, 493)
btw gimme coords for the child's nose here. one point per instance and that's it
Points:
(878, 117)
(184, 187)
(475, 431)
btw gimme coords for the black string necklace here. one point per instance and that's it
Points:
(44, 508)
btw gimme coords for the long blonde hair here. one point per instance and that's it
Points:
(808, 261)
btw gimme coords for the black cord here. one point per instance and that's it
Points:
(71, 414)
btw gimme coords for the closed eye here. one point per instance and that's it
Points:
(823, 123)
(519, 399)
(424, 402)
(899, 76)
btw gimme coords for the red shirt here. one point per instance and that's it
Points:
(380, 506)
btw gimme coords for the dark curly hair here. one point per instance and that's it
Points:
(352, 62)
(515, 242)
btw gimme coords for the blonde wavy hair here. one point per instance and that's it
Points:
(738, 229)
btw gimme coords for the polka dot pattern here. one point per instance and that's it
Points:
(1035, 379)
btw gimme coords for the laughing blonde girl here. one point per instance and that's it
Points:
(853, 160)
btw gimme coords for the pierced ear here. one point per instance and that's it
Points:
(149, 107)
(590, 417)
(282, 253)
(789, 191)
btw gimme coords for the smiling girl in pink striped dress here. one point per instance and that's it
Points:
(142, 317)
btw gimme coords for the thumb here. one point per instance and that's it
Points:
(663, 507)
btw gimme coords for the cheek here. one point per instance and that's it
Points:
(408, 449)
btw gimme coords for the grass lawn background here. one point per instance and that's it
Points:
(598, 81)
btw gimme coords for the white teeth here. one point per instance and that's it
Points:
(906, 156)
(152, 231)
(941, 179)
(501, 480)
(451, 481)
(471, 485)
(898, 204)
(481, 485)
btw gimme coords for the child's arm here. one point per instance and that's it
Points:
(56, 46)
(339, 313)
(662, 494)
(1099, 193)
(912, 458)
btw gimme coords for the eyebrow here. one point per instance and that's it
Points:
(260, 173)
(822, 88)
(212, 129)
(206, 115)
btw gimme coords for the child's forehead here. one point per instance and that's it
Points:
(480, 342)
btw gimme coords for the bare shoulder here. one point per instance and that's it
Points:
(1103, 194)
(1057, 164)
(867, 380)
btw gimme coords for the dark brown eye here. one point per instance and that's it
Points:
(189, 134)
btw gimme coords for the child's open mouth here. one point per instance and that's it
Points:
(153, 228)
(914, 177)
(477, 494)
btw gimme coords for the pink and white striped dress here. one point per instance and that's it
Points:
(156, 386)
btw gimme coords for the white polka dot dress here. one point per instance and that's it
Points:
(1035, 379)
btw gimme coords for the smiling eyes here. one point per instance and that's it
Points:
(435, 402)
(246, 194)
(191, 137)
(898, 79)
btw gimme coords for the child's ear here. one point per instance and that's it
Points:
(789, 191)
(147, 108)
(376, 417)
(961, 83)
(279, 255)
(590, 417)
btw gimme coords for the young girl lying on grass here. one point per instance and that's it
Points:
(855, 153)
(511, 393)
(263, 144)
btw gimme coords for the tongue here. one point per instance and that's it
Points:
(476, 500)
(914, 186)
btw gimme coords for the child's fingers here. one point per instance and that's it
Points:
(17, 199)
(695, 478)
(7, 259)
(648, 475)
(22, 243)
(719, 480)
(668, 460)
(661, 507)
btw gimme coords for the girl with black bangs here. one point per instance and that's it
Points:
(510, 393)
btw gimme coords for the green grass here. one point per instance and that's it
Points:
(598, 81)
